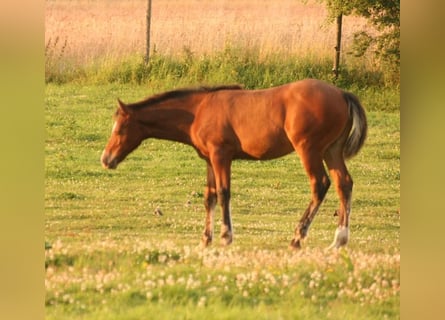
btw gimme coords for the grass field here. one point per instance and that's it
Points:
(107, 256)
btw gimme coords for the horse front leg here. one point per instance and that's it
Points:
(226, 226)
(221, 164)
(210, 199)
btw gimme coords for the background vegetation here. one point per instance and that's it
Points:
(105, 44)
(107, 256)
(384, 15)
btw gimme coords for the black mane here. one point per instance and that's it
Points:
(175, 94)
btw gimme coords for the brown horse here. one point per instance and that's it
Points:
(319, 121)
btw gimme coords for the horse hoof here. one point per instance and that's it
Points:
(206, 241)
(226, 239)
(295, 244)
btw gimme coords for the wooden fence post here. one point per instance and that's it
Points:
(337, 47)
(147, 45)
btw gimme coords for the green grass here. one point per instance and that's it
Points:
(232, 65)
(109, 257)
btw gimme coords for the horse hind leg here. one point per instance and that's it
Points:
(320, 183)
(343, 183)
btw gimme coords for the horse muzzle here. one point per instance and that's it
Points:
(108, 161)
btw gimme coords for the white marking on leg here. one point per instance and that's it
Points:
(341, 237)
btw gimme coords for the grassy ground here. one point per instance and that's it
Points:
(108, 256)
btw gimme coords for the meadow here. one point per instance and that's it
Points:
(108, 256)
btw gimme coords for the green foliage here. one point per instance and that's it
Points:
(384, 15)
(232, 65)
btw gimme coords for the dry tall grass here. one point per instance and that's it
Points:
(111, 29)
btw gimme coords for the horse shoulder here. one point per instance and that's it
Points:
(202, 126)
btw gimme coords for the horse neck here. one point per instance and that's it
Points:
(170, 119)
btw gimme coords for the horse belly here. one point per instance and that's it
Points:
(264, 146)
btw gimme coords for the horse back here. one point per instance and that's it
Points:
(265, 124)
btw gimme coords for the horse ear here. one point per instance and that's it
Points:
(123, 106)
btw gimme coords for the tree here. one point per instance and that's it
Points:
(384, 15)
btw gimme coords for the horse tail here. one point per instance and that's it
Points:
(359, 129)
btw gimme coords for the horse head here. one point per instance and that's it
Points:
(126, 135)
